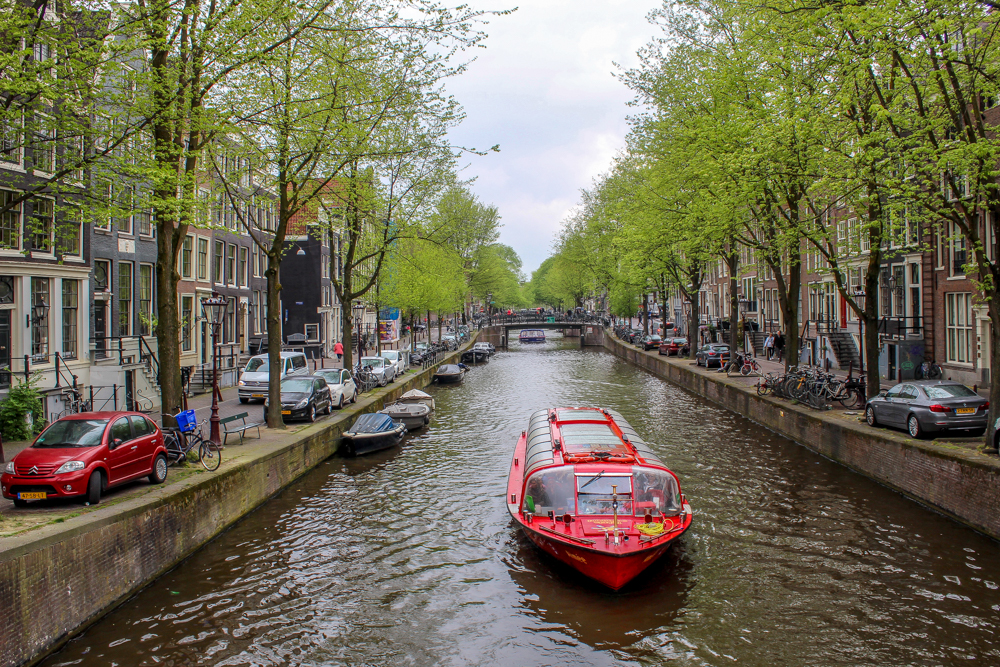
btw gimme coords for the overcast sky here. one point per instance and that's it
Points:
(544, 89)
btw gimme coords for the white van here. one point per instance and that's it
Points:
(253, 380)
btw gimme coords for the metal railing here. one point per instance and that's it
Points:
(899, 327)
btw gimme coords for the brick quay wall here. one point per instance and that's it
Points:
(958, 482)
(58, 579)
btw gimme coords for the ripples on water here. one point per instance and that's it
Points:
(409, 558)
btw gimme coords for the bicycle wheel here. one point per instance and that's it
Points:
(746, 369)
(210, 456)
(763, 388)
(933, 372)
(173, 446)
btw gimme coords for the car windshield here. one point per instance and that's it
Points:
(297, 385)
(949, 391)
(73, 433)
(255, 365)
(331, 377)
(371, 363)
(391, 355)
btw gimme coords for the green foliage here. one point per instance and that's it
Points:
(22, 400)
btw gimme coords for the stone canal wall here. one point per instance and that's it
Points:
(56, 580)
(961, 483)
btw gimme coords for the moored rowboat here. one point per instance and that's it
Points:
(588, 490)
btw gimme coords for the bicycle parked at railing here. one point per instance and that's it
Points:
(179, 442)
(365, 379)
(927, 371)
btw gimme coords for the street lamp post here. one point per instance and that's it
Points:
(359, 310)
(214, 308)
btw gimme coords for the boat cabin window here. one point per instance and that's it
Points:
(549, 490)
(589, 437)
(655, 492)
(596, 493)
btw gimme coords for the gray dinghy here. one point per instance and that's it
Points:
(413, 415)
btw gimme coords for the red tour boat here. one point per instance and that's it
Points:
(587, 489)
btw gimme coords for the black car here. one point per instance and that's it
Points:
(650, 342)
(303, 397)
(713, 354)
(634, 335)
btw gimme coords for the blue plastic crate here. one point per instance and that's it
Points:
(186, 421)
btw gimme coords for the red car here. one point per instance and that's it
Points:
(674, 346)
(85, 454)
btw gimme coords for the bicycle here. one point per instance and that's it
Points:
(767, 384)
(178, 443)
(365, 379)
(927, 371)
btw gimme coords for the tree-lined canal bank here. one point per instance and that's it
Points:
(409, 556)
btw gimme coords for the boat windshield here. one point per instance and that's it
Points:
(550, 490)
(597, 493)
(655, 492)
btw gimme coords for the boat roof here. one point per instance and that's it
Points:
(373, 423)
(580, 435)
(415, 393)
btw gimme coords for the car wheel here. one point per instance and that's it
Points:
(340, 404)
(311, 414)
(913, 426)
(159, 473)
(94, 488)
(870, 416)
(382, 381)
(244, 400)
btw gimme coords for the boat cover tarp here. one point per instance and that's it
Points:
(373, 423)
(415, 393)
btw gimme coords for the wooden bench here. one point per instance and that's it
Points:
(229, 427)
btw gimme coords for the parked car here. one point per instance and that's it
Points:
(674, 346)
(83, 455)
(396, 359)
(713, 354)
(634, 335)
(420, 350)
(342, 387)
(303, 398)
(923, 407)
(383, 371)
(650, 342)
(253, 381)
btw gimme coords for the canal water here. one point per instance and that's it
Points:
(409, 558)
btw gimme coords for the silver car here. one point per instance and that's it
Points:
(395, 358)
(382, 369)
(929, 406)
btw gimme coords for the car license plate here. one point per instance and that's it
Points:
(33, 495)
(256, 395)
(286, 412)
(964, 411)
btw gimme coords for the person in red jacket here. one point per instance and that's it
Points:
(338, 349)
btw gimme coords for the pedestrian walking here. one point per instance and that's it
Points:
(338, 349)
(769, 346)
(779, 345)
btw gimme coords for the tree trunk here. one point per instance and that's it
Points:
(347, 334)
(871, 334)
(645, 313)
(167, 322)
(994, 310)
(791, 308)
(274, 361)
(693, 330)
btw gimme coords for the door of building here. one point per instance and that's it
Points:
(5, 347)
(100, 329)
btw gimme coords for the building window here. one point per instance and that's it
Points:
(42, 224)
(124, 299)
(144, 220)
(11, 121)
(244, 266)
(10, 221)
(43, 145)
(146, 299)
(70, 233)
(40, 327)
(312, 332)
(231, 265)
(187, 315)
(254, 312)
(956, 244)
(229, 335)
(220, 249)
(123, 209)
(202, 259)
(958, 319)
(102, 273)
(186, 249)
(70, 304)
(102, 210)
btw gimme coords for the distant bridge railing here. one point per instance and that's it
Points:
(508, 320)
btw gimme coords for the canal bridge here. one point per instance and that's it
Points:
(497, 330)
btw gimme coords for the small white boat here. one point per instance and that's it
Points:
(417, 396)
(413, 415)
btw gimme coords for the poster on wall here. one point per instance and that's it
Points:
(388, 325)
